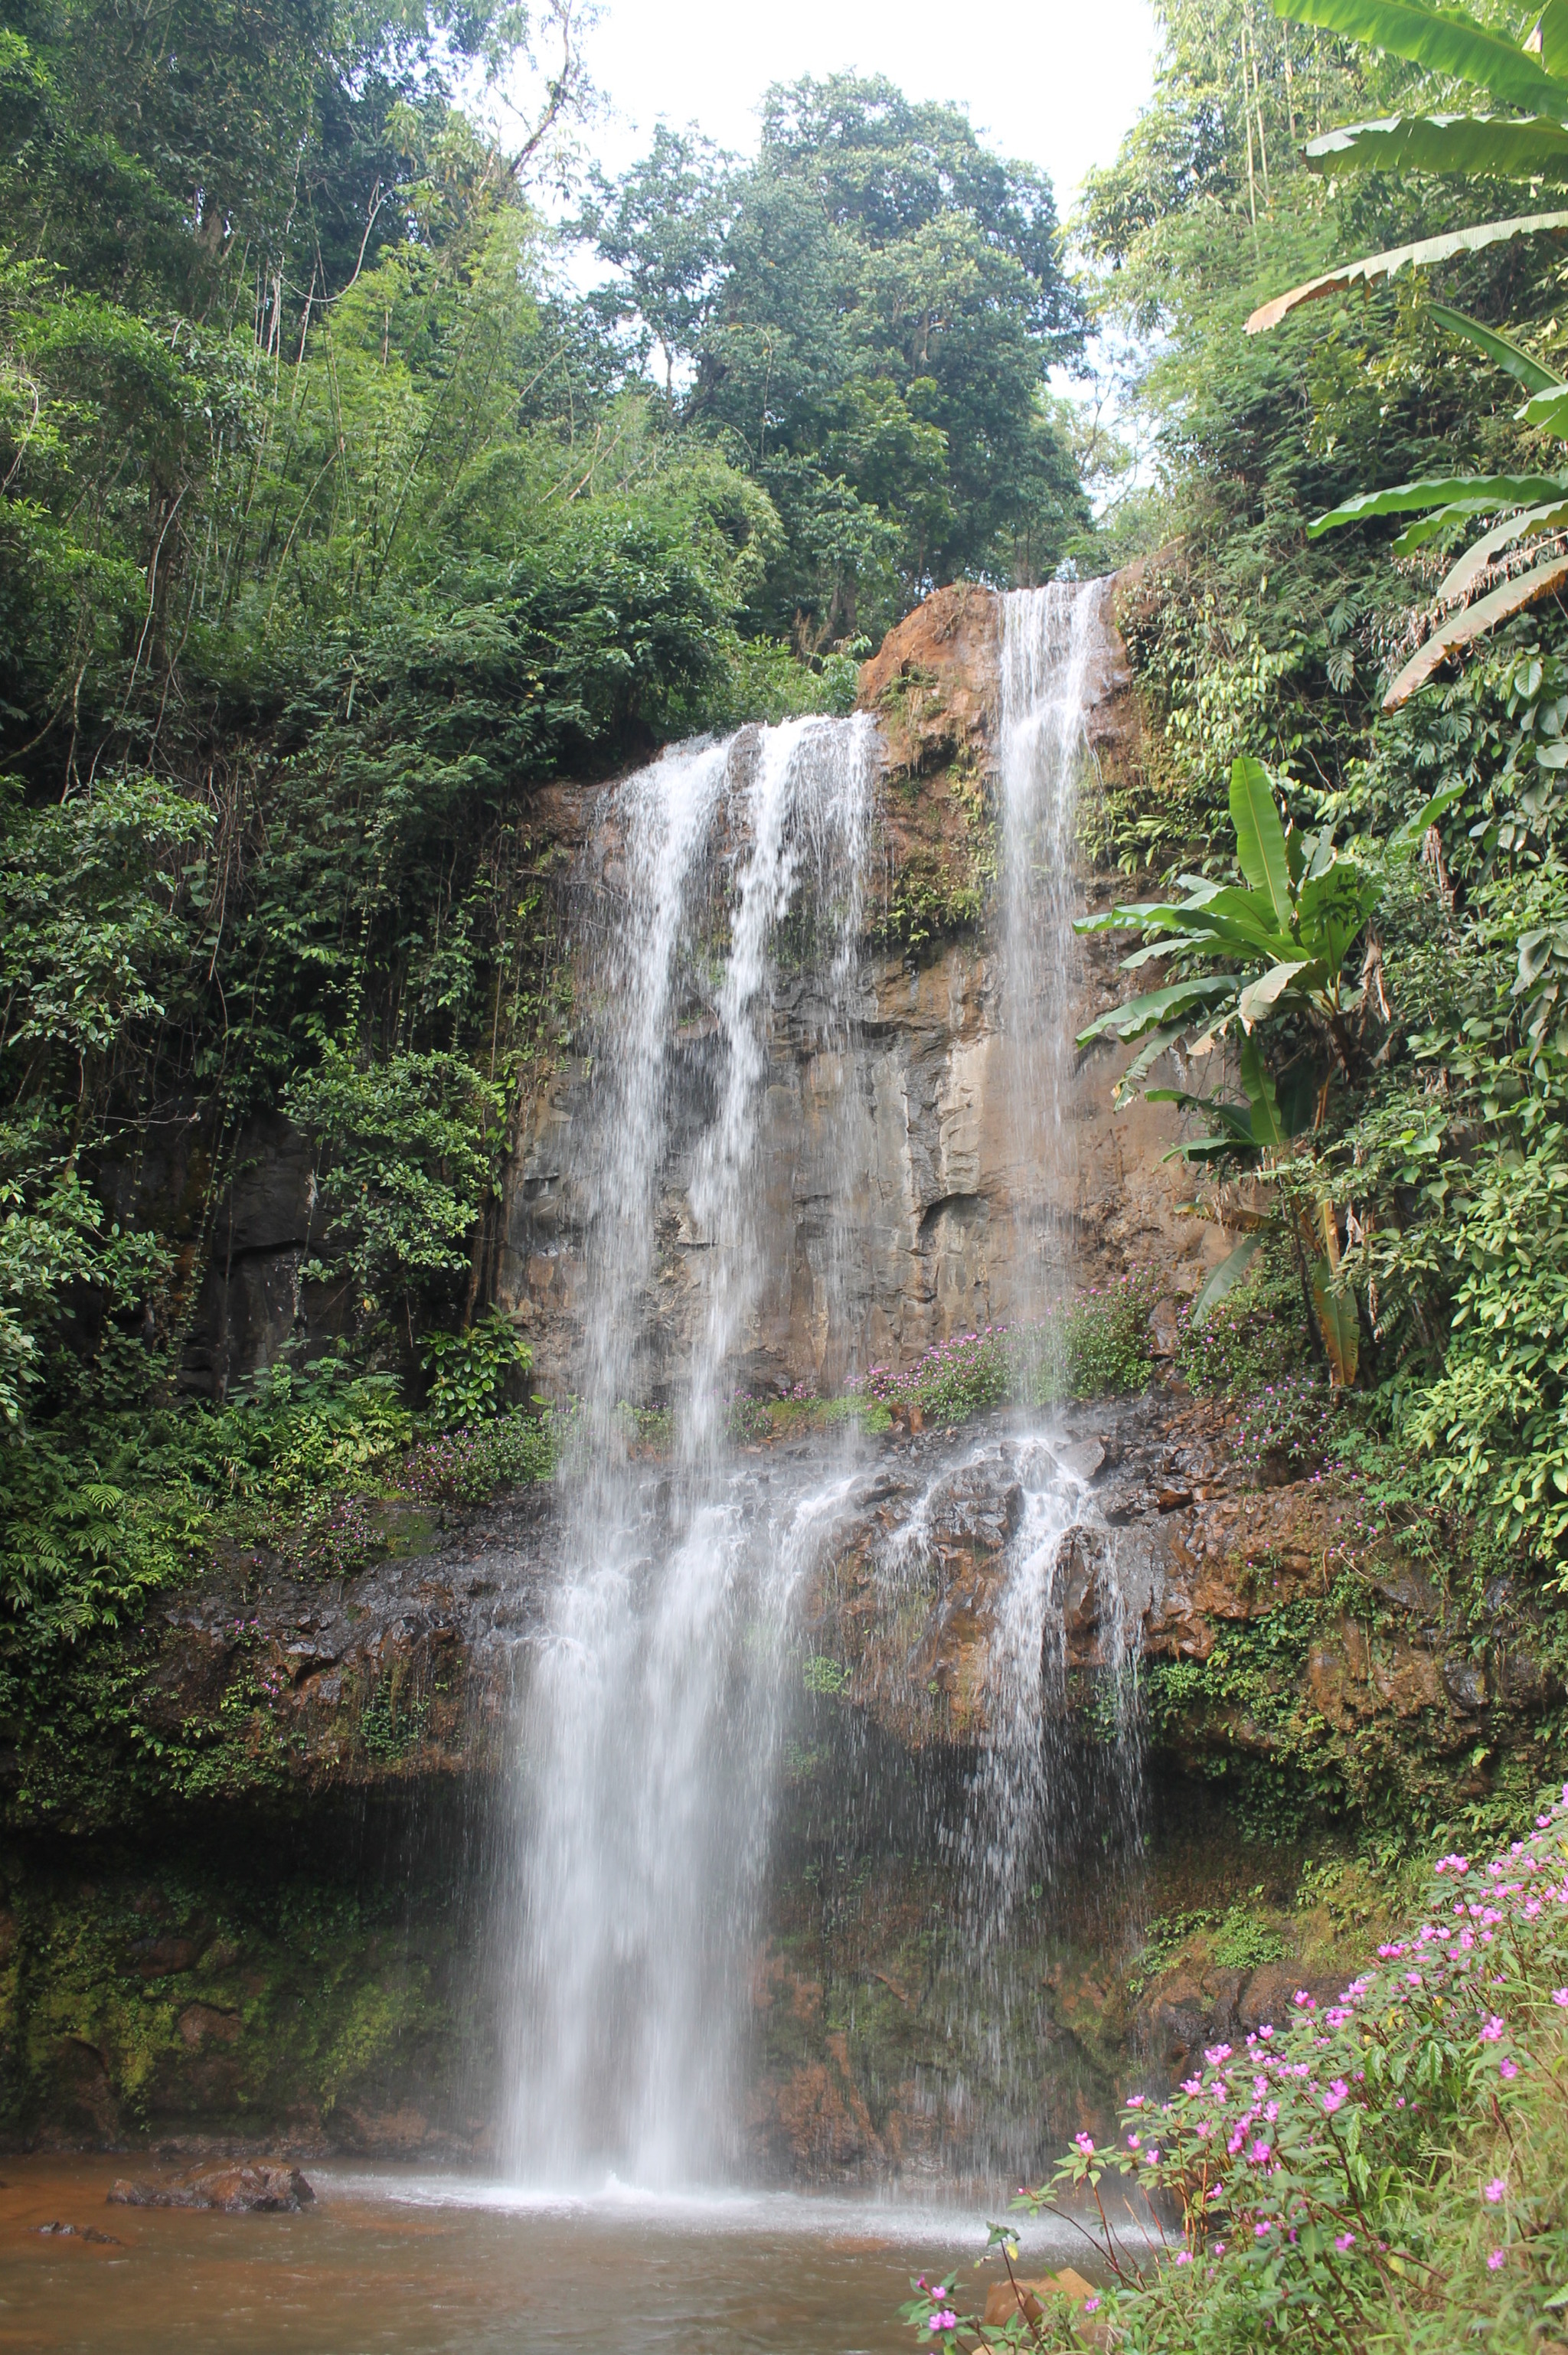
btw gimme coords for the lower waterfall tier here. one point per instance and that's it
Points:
(306, 1965)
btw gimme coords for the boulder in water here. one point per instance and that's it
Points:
(233, 2186)
(1004, 2299)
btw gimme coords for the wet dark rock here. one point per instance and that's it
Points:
(1465, 1681)
(88, 2233)
(239, 2187)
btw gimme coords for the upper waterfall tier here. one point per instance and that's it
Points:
(921, 1154)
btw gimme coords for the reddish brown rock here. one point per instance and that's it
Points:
(256, 2186)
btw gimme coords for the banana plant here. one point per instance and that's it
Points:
(1285, 937)
(1528, 144)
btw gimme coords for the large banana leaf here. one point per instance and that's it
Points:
(1549, 36)
(1258, 1082)
(1481, 494)
(1509, 356)
(1436, 526)
(1474, 623)
(1531, 525)
(1259, 995)
(1153, 1047)
(1226, 1277)
(1260, 838)
(1339, 1323)
(1445, 41)
(1474, 146)
(1157, 1007)
(1422, 255)
(1549, 410)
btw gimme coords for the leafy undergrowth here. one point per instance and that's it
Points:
(1390, 2172)
(92, 1521)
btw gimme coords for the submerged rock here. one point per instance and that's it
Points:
(235, 2188)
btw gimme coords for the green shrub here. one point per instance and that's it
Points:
(470, 1369)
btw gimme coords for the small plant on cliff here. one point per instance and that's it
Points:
(470, 1371)
(1095, 1344)
(1286, 937)
(1291, 1425)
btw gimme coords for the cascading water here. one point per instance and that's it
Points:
(652, 1717)
(1051, 640)
(655, 1708)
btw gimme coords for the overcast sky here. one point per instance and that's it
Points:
(1056, 83)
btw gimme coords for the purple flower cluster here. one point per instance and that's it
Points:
(1293, 1421)
(1252, 2147)
(1094, 1343)
(1290, 2158)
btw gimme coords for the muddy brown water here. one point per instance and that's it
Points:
(392, 2262)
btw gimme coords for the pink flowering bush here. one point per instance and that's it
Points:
(1391, 2169)
(1094, 1344)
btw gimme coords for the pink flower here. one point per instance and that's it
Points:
(1507, 2067)
(1135, 2102)
(1194, 2085)
(1091, 2306)
(1133, 2141)
(1307, 2002)
(1343, 2241)
(1259, 2152)
(1085, 2143)
(1492, 2030)
(1184, 2256)
(1260, 2231)
(1495, 2189)
(1219, 2248)
(1560, 1996)
(1336, 2097)
(1495, 2260)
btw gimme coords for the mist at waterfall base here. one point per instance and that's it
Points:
(653, 1802)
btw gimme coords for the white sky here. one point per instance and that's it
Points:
(1055, 83)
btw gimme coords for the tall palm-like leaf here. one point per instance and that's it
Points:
(1284, 941)
(1529, 146)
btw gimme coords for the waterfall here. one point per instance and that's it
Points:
(720, 881)
(645, 1774)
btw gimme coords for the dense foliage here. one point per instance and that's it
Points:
(334, 521)
(1398, 1125)
(859, 319)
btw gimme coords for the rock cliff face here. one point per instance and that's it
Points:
(946, 1214)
